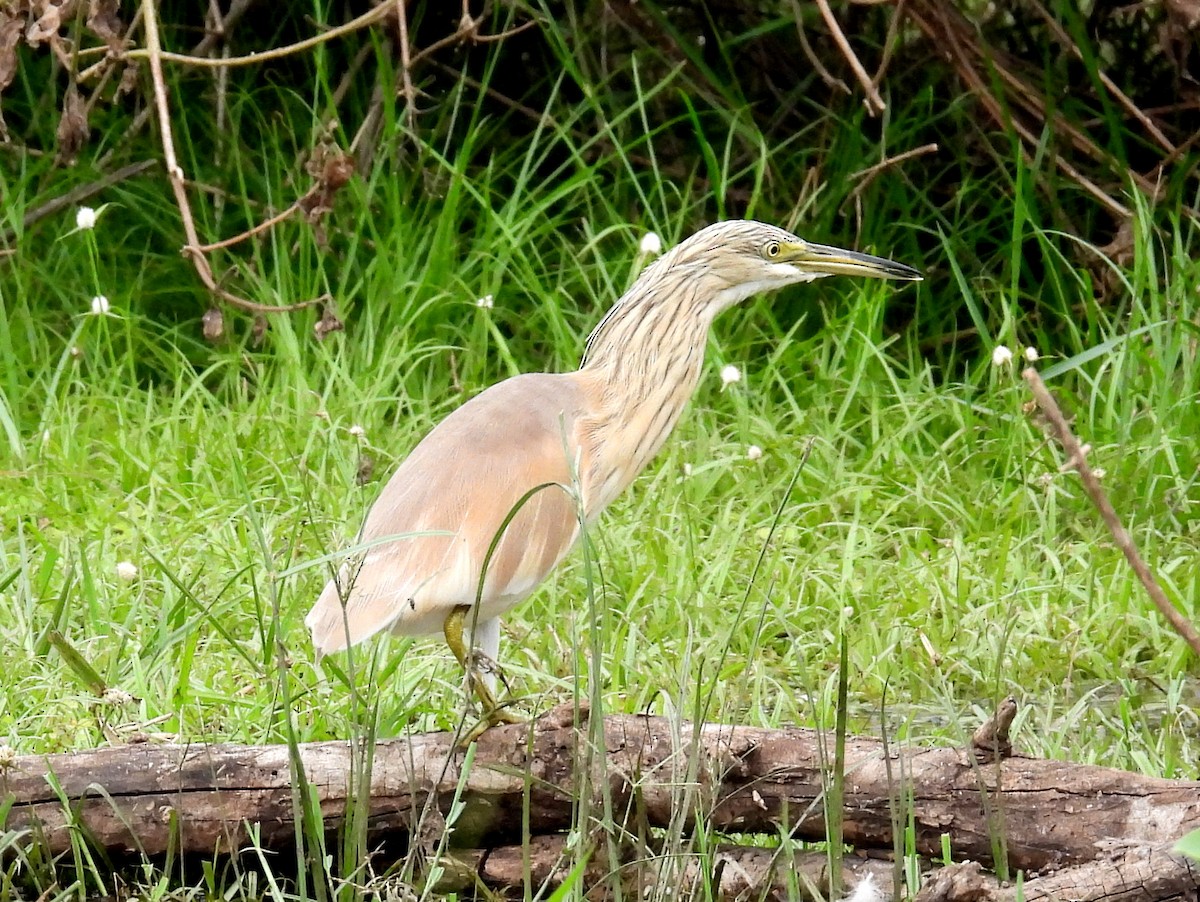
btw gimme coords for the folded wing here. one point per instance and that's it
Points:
(423, 544)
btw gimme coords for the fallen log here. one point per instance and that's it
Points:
(1133, 875)
(1048, 814)
(730, 871)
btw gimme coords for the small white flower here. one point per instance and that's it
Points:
(651, 244)
(357, 431)
(866, 891)
(1001, 356)
(127, 571)
(486, 302)
(1031, 354)
(85, 218)
(8, 756)
(687, 469)
(99, 305)
(45, 436)
(754, 453)
(729, 375)
(1099, 472)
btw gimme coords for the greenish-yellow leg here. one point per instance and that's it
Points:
(492, 712)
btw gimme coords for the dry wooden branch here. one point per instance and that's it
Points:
(949, 30)
(874, 101)
(751, 780)
(256, 59)
(1149, 874)
(179, 188)
(1077, 459)
(738, 872)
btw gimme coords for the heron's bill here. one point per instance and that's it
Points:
(820, 258)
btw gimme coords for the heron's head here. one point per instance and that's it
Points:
(710, 272)
(743, 258)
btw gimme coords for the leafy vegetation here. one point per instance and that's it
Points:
(169, 504)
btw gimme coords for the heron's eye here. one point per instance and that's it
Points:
(771, 250)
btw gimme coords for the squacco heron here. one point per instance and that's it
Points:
(586, 435)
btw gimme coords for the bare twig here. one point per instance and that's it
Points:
(1122, 98)
(365, 20)
(175, 175)
(941, 24)
(868, 175)
(813, 60)
(890, 42)
(1077, 459)
(249, 233)
(468, 30)
(410, 93)
(237, 9)
(875, 104)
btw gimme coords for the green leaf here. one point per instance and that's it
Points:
(1189, 845)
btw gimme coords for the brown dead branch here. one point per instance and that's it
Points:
(1077, 460)
(1026, 112)
(874, 101)
(868, 175)
(737, 872)
(1122, 98)
(367, 19)
(1146, 874)
(175, 175)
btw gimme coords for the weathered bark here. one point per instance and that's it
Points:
(1148, 873)
(737, 779)
(737, 872)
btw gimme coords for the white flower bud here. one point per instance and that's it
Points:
(650, 244)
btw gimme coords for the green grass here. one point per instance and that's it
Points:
(930, 526)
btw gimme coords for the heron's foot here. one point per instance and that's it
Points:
(494, 712)
(493, 718)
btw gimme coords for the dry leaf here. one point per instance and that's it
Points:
(11, 27)
(48, 24)
(259, 330)
(366, 469)
(72, 127)
(129, 80)
(103, 21)
(213, 322)
(327, 323)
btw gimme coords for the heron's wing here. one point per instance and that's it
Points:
(462, 481)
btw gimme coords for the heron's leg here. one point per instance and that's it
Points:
(453, 629)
